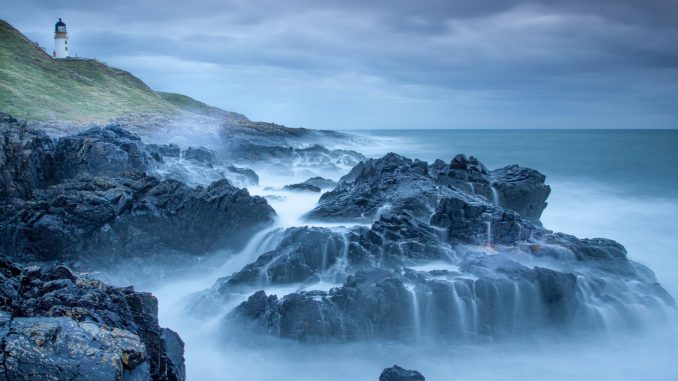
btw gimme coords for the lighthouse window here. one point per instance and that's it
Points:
(66, 48)
(66, 42)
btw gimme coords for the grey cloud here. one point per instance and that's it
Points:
(506, 54)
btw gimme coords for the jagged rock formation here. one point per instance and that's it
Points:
(398, 183)
(108, 151)
(495, 273)
(26, 159)
(55, 324)
(85, 199)
(98, 219)
(396, 373)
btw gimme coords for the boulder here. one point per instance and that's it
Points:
(522, 190)
(101, 151)
(201, 155)
(58, 324)
(396, 373)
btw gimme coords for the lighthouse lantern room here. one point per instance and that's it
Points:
(60, 40)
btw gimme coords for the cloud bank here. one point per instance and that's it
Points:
(391, 64)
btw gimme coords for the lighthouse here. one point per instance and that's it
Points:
(60, 40)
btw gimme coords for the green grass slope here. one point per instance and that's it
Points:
(189, 104)
(37, 87)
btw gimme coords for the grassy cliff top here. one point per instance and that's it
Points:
(35, 86)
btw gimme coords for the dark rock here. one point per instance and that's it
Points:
(393, 181)
(107, 151)
(200, 154)
(103, 220)
(396, 373)
(244, 175)
(521, 190)
(301, 187)
(497, 297)
(164, 150)
(470, 221)
(398, 184)
(58, 324)
(314, 184)
(303, 253)
(26, 159)
(321, 182)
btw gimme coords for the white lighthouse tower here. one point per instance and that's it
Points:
(60, 40)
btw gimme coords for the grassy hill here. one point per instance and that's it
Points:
(37, 87)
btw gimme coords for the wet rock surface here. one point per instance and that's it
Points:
(56, 324)
(301, 187)
(442, 258)
(394, 182)
(396, 373)
(105, 220)
(321, 182)
(107, 151)
(89, 198)
(26, 159)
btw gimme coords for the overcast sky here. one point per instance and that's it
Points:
(390, 63)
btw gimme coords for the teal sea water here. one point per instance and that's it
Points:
(632, 161)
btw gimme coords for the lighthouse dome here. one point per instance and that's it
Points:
(59, 26)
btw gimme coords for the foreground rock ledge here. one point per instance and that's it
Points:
(55, 324)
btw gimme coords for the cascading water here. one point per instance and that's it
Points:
(416, 318)
(495, 195)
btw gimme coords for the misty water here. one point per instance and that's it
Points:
(615, 184)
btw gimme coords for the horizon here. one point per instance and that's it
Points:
(438, 65)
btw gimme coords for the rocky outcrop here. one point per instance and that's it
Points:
(397, 183)
(200, 154)
(470, 221)
(396, 373)
(103, 220)
(86, 198)
(301, 187)
(26, 159)
(30, 160)
(393, 182)
(56, 324)
(490, 296)
(101, 151)
(521, 190)
(442, 259)
(314, 184)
